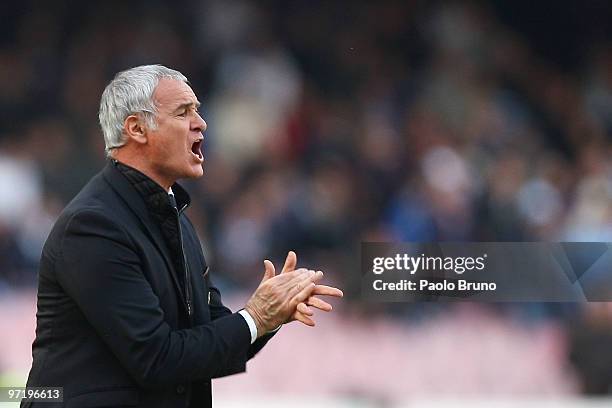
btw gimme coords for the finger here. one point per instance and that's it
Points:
(269, 272)
(318, 303)
(303, 281)
(290, 262)
(303, 319)
(288, 279)
(303, 293)
(295, 281)
(327, 291)
(300, 278)
(302, 308)
(317, 276)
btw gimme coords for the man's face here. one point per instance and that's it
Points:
(175, 146)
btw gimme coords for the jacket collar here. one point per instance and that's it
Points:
(154, 195)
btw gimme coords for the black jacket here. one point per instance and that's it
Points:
(113, 321)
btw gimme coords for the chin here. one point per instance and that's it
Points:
(196, 172)
(188, 170)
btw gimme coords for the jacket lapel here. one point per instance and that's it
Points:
(135, 202)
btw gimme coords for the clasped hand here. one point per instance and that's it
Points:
(288, 296)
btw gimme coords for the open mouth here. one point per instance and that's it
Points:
(196, 150)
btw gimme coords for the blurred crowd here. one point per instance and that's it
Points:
(329, 123)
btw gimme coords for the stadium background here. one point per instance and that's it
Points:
(331, 124)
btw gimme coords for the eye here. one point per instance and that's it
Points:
(183, 113)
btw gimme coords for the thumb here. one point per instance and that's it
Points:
(269, 272)
(290, 262)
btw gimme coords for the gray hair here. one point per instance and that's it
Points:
(129, 93)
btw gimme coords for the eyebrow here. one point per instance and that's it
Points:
(187, 105)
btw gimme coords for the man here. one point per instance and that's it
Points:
(127, 315)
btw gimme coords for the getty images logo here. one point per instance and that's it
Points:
(412, 264)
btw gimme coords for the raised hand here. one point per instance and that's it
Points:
(303, 313)
(276, 298)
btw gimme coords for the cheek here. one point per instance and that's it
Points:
(169, 142)
(172, 142)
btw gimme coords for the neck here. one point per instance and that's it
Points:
(139, 163)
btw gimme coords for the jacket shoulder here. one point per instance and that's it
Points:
(96, 202)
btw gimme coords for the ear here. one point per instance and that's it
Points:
(134, 128)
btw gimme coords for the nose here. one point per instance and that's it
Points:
(199, 124)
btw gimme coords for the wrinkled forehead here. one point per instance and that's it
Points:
(171, 93)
